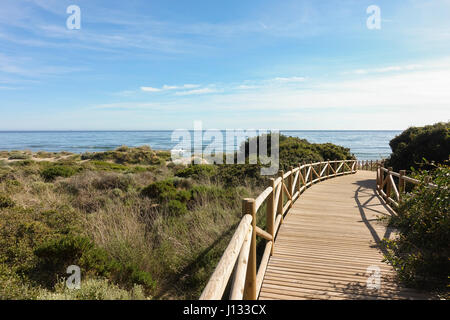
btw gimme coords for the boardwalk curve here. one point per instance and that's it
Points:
(327, 246)
(321, 235)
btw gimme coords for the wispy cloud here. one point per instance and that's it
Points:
(170, 87)
(289, 79)
(150, 89)
(388, 69)
(195, 91)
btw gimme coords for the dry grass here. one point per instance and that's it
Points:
(105, 204)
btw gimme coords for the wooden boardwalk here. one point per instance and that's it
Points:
(327, 242)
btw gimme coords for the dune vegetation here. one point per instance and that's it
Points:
(421, 252)
(138, 225)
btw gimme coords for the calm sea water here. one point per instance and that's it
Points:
(366, 145)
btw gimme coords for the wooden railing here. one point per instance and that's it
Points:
(392, 192)
(368, 165)
(239, 260)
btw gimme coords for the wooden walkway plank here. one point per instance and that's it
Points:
(327, 242)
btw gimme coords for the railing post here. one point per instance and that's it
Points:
(320, 170)
(378, 177)
(298, 179)
(381, 177)
(270, 214)
(291, 184)
(248, 207)
(328, 168)
(388, 183)
(281, 198)
(401, 184)
(311, 173)
(371, 162)
(304, 174)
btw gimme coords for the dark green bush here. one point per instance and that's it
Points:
(161, 190)
(130, 274)
(197, 171)
(233, 175)
(6, 202)
(55, 255)
(293, 151)
(165, 190)
(52, 172)
(176, 208)
(421, 252)
(412, 146)
(108, 166)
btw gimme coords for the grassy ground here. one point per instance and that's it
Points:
(137, 225)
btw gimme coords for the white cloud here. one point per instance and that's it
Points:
(150, 89)
(169, 87)
(246, 87)
(388, 69)
(290, 79)
(184, 86)
(196, 91)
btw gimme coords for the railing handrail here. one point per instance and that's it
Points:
(386, 186)
(240, 254)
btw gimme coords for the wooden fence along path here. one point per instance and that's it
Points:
(319, 244)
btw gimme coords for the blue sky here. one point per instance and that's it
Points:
(231, 64)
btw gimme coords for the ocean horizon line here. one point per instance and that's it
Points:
(169, 130)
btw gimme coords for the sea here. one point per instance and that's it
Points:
(364, 144)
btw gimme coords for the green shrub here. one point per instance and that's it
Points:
(165, 191)
(6, 202)
(19, 156)
(233, 175)
(112, 181)
(176, 208)
(108, 166)
(55, 255)
(52, 172)
(161, 190)
(197, 171)
(165, 155)
(124, 155)
(421, 252)
(293, 151)
(13, 287)
(93, 289)
(412, 146)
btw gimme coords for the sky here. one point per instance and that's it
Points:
(154, 65)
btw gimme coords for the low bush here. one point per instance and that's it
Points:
(293, 151)
(197, 171)
(412, 146)
(421, 253)
(93, 289)
(112, 181)
(161, 190)
(233, 175)
(55, 255)
(19, 156)
(176, 208)
(125, 155)
(6, 201)
(52, 172)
